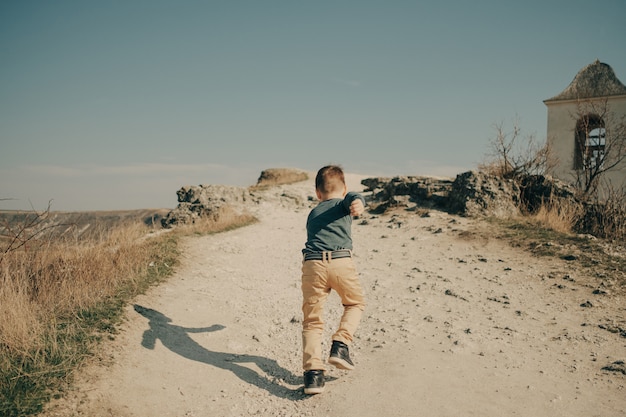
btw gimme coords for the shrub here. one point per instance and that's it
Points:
(558, 214)
(606, 218)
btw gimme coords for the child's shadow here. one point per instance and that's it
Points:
(176, 339)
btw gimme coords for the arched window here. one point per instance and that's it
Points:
(594, 147)
(590, 143)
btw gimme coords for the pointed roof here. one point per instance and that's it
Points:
(595, 80)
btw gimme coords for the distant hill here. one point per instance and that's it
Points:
(78, 224)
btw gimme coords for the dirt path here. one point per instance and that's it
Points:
(454, 326)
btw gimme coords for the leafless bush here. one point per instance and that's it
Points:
(512, 155)
(16, 235)
(606, 218)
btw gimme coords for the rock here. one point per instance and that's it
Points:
(477, 194)
(471, 194)
(537, 190)
(403, 191)
(617, 366)
(199, 201)
(278, 176)
(202, 201)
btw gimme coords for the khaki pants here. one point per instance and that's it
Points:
(318, 278)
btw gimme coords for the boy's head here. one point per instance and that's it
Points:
(330, 181)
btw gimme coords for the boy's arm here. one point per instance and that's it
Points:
(356, 204)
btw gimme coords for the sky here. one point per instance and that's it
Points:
(115, 105)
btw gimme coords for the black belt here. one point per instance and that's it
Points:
(328, 255)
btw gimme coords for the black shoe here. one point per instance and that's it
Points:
(313, 382)
(339, 356)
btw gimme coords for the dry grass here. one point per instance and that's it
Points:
(59, 296)
(55, 278)
(554, 231)
(220, 220)
(558, 215)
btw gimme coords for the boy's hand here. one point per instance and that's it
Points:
(356, 207)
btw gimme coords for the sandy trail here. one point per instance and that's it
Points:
(454, 326)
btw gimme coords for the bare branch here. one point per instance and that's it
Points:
(16, 235)
(514, 156)
(600, 141)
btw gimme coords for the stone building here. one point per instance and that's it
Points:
(585, 124)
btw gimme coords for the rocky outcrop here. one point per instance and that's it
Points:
(407, 191)
(471, 194)
(199, 201)
(278, 176)
(477, 194)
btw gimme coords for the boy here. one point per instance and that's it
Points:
(328, 265)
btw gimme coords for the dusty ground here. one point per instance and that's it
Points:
(454, 326)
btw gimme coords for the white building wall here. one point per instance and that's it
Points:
(562, 118)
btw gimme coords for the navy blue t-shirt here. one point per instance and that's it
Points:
(329, 225)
